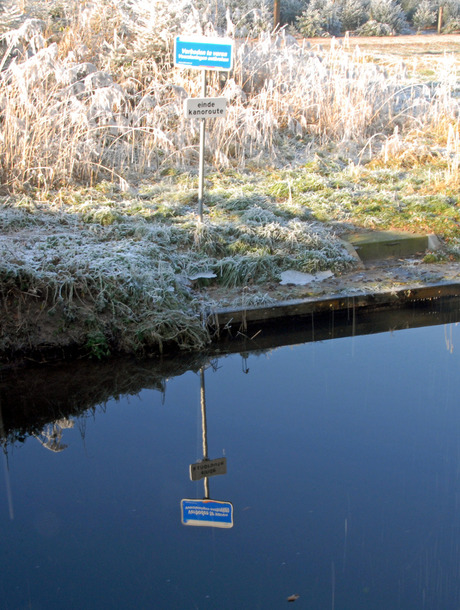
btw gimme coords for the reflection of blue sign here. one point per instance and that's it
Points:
(203, 52)
(212, 513)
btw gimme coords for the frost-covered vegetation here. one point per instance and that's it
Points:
(122, 273)
(100, 245)
(376, 17)
(90, 92)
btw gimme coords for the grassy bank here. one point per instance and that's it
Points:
(107, 271)
(100, 247)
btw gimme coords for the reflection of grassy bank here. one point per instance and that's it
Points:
(32, 398)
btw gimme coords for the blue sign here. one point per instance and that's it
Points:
(203, 52)
(211, 513)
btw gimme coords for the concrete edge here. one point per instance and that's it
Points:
(244, 316)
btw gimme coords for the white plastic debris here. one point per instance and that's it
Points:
(202, 275)
(301, 279)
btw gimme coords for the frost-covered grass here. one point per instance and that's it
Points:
(116, 271)
(108, 271)
(404, 194)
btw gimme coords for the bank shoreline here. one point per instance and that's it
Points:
(379, 288)
(244, 318)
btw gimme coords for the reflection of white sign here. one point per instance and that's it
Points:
(205, 108)
(208, 468)
(210, 513)
(203, 52)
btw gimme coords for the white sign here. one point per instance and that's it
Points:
(208, 468)
(205, 108)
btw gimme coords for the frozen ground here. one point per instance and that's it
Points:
(384, 276)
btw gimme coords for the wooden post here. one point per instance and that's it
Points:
(441, 10)
(276, 14)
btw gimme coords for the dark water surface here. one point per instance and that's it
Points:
(343, 468)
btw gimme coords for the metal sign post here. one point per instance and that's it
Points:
(201, 162)
(203, 53)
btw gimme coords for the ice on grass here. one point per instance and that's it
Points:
(297, 278)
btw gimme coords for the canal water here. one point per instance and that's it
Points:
(342, 462)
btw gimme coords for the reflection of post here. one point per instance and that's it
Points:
(204, 427)
(206, 512)
(7, 474)
(203, 416)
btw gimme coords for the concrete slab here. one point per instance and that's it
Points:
(389, 244)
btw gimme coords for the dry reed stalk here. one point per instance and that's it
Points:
(282, 96)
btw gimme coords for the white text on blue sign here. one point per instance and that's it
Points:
(210, 513)
(203, 53)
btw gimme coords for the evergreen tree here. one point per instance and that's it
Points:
(354, 14)
(451, 9)
(426, 14)
(386, 17)
(410, 7)
(451, 15)
(388, 12)
(321, 18)
(291, 9)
